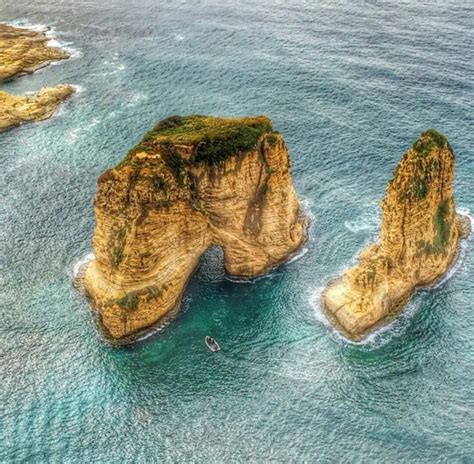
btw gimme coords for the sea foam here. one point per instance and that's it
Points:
(368, 220)
(378, 337)
(76, 269)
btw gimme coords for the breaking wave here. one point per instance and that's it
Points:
(76, 269)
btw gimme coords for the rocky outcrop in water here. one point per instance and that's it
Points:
(419, 241)
(191, 183)
(23, 51)
(15, 110)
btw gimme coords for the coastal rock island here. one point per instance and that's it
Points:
(15, 110)
(419, 241)
(23, 51)
(193, 182)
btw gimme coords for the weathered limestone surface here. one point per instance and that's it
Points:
(192, 183)
(15, 110)
(419, 241)
(23, 51)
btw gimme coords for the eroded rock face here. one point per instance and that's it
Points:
(15, 110)
(192, 183)
(419, 240)
(23, 51)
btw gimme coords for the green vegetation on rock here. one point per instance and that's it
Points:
(272, 138)
(442, 225)
(116, 245)
(429, 140)
(214, 139)
(420, 187)
(425, 167)
(129, 302)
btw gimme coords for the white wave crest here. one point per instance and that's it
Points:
(78, 89)
(81, 263)
(307, 205)
(61, 110)
(463, 211)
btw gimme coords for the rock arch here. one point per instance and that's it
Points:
(191, 183)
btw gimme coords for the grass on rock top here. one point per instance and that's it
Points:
(215, 138)
(429, 140)
(425, 165)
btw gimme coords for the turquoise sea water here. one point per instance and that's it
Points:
(351, 85)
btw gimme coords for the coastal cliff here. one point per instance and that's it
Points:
(418, 242)
(23, 51)
(15, 110)
(191, 183)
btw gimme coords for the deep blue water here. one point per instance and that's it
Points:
(351, 85)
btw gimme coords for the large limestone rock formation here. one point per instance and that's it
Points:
(419, 241)
(15, 110)
(23, 51)
(191, 183)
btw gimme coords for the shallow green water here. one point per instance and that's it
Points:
(351, 86)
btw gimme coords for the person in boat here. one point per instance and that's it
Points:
(211, 343)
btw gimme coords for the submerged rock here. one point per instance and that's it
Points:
(192, 182)
(15, 110)
(419, 241)
(23, 51)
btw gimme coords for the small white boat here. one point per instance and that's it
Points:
(212, 344)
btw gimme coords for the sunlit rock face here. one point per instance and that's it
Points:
(16, 110)
(418, 241)
(192, 182)
(23, 51)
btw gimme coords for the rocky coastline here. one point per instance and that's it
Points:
(16, 110)
(22, 52)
